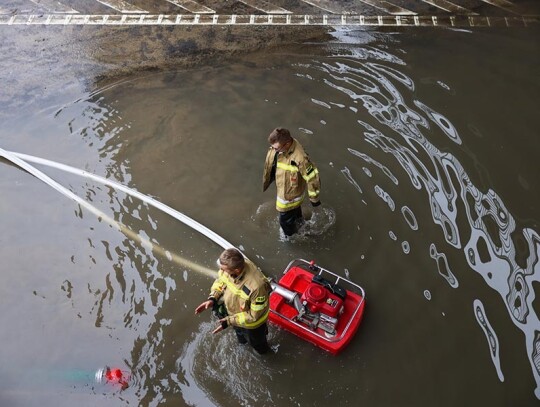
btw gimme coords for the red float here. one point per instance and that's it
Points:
(317, 305)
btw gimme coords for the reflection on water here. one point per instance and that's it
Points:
(491, 337)
(370, 160)
(409, 217)
(385, 197)
(347, 173)
(442, 265)
(370, 114)
(490, 250)
(406, 247)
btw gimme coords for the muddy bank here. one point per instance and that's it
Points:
(45, 62)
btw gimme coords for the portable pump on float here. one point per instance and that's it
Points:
(312, 303)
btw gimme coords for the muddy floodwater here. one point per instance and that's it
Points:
(427, 146)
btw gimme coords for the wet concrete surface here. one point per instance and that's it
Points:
(43, 62)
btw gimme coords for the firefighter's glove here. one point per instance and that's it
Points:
(222, 325)
(219, 310)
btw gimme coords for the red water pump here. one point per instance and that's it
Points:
(311, 302)
(321, 306)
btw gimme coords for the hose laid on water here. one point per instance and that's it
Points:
(21, 161)
(151, 201)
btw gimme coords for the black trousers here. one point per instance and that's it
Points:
(256, 337)
(290, 220)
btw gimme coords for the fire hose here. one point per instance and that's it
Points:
(22, 160)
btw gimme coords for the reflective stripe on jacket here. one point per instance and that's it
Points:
(246, 297)
(294, 172)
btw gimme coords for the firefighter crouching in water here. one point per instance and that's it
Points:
(288, 164)
(240, 297)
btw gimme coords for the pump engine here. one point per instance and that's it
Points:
(320, 304)
(321, 307)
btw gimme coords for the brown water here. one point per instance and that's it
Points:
(427, 147)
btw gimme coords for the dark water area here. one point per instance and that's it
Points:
(427, 146)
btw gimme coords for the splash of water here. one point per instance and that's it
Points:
(316, 221)
(209, 361)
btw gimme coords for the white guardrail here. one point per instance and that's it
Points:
(268, 20)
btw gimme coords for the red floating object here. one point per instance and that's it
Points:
(317, 305)
(113, 376)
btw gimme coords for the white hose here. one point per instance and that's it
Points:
(49, 181)
(151, 201)
(20, 160)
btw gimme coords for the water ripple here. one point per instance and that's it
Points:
(385, 197)
(490, 243)
(409, 217)
(406, 247)
(218, 361)
(442, 266)
(445, 125)
(347, 173)
(491, 337)
(370, 160)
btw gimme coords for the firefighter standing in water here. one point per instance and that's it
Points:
(288, 164)
(240, 297)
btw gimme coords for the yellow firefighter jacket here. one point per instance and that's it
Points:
(246, 297)
(293, 172)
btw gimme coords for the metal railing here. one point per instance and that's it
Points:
(458, 21)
